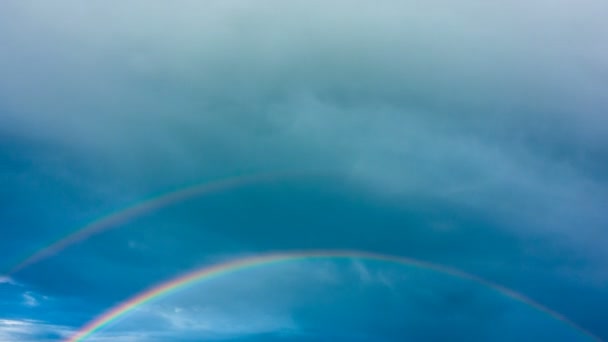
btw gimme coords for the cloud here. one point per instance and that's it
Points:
(236, 55)
(30, 300)
(7, 280)
(27, 330)
(472, 109)
(31, 330)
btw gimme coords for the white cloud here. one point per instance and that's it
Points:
(30, 300)
(26, 330)
(362, 271)
(7, 280)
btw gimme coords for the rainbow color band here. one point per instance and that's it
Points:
(211, 272)
(115, 219)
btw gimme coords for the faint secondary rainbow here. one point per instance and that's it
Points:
(115, 219)
(218, 270)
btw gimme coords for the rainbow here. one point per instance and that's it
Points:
(118, 218)
(215, 271)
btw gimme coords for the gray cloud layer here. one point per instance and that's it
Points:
(498, 106)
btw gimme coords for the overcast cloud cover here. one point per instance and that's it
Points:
(468, 133)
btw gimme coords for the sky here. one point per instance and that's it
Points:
(468, 134)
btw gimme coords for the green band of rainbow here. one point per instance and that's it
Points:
(116, 219)
(211, 272)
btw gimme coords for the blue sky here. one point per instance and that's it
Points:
(468, 134)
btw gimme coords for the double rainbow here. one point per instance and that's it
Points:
(117, 219)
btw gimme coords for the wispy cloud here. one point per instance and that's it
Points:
(7, 280)
(30, 300)
(27, 330)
